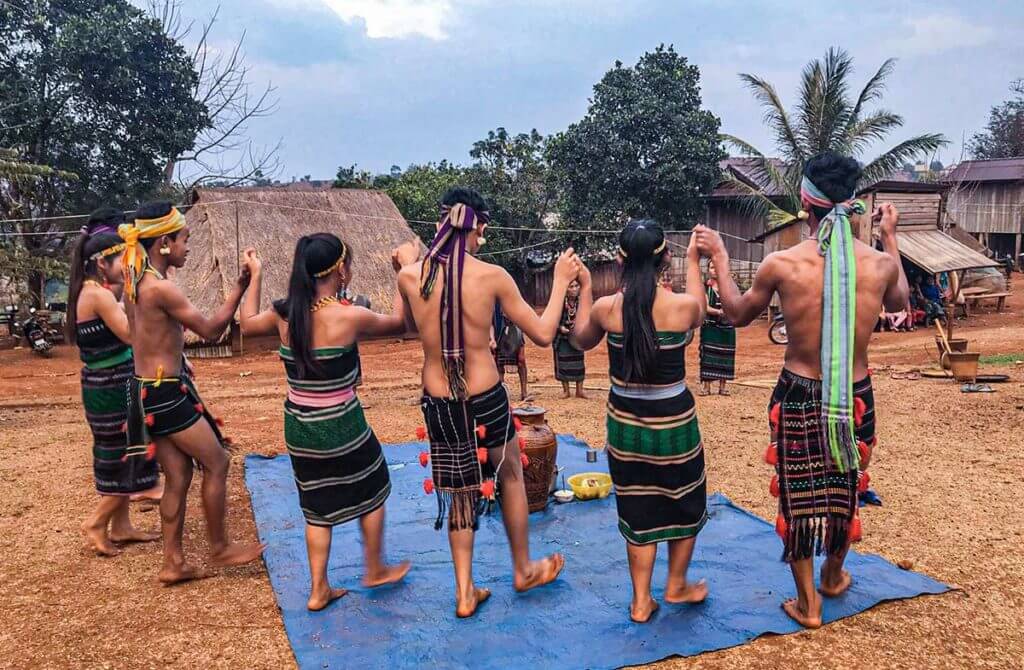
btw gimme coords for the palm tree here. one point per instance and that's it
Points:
(825, 119)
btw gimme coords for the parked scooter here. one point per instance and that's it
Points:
(35, 331)
(777, 331)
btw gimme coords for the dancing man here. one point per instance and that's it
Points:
(466, 408)
(99, 326)
(165, 411)
(832, 288)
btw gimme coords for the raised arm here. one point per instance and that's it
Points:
(694, 281)
(174, 302)
(740, 308)
(250, 319)
(541, 330)
(897, 291)
(587, 332)
(113, 314)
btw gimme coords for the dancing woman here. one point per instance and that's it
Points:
(339, 466)
(655, 453)
(99, 326)
(570, 366)
(717, 341)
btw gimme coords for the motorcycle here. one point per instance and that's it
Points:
(34, 330)
(777, 331)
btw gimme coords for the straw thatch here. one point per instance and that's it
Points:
(271, 220)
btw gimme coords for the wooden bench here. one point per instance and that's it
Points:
(976, 299)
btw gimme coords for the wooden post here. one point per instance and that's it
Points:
(1017, 263)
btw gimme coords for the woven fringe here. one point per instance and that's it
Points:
(814, 536)
(455, 368)
(842, 443)
(463, 507)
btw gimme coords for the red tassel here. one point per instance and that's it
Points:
(525, 460)
(151, 451)
(870, 372)
(863, 482)
(780, 527)
(774, 415)
(487, 489)
(145, 392)
(199, 408)
(184, 389)
(856, 532)
(522, 443)
(424, 458)
(481, 431)
(150, 419)
(859, 408)
(219, 421)
(428, 486)
(228, 441)
(517, 423)
(481, 454)
(771, 454)
(124, 427)
(124, 459)
(421, 433)
(864, 451)
(773, 488)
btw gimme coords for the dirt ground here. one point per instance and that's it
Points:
(948, 469)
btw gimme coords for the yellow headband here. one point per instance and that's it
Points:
(661, 247)
(109, 251)
(135, 260)
(337, 263)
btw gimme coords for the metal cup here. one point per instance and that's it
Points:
(591, 455)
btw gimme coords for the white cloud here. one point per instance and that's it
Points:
(397, 18)
(935, 33)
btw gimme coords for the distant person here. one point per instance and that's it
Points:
(655, 451)
(570, 365)
(717, 341)
(97, 323)
(165, 409)
(340, 471)
(451, 298)
(928, 299)
(822, 411)
(509, 347)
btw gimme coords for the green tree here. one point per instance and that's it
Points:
(94, 88)
(645, 147)
(826, 118)
(512, 173)
(1003, 136)
(416, 192)
(353, 177)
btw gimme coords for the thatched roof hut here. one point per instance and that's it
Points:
(225, 221)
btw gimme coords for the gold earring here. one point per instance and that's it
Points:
(165, 251)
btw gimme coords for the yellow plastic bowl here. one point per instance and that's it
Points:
(590, 485)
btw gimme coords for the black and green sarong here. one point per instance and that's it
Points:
(339, 467)
(717, 344)
(655, 452)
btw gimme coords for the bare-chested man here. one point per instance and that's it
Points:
(164, 406)
(464, 403)
(822, 411)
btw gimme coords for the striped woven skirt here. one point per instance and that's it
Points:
(339, 467)
(656, 460)
(717, 352)
(105, 398)
(817, 502)
(569, 363)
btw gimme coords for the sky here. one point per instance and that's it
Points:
(394, 82)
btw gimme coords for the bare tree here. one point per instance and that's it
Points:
(223, 151)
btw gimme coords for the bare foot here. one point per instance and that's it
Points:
(723, 391)
(540, 573)
(792, 608)
(170, 575)
(582, 395)
(566, 395)
(643, 613)
(388, 575)
(132, 534)
(318, 601)
(688, 594)
(703, 392)
(466, 609)
(237, 554)
(831, 590)
(98, 540)
(153, 494)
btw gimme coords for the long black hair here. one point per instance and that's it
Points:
(83, 266)
(644, 255)
(314, 254)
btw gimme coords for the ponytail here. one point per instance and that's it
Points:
(99, 232)
(75, 282)
(643, 249)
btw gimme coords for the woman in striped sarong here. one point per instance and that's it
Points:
(717, 342)
(339, 467)
(570, 366)
(98, 325)
(655, 453)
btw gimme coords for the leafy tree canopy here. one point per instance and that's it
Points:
(1003, 137)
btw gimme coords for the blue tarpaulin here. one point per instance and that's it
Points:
(580, 621)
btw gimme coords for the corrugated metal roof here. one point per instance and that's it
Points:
(998, 169)
(935, 251)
